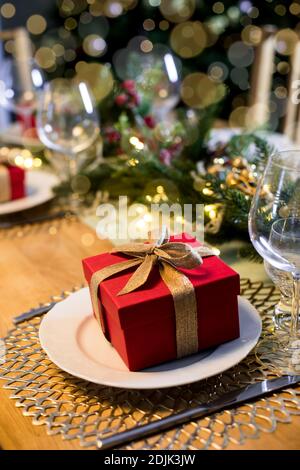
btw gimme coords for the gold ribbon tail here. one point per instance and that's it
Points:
(5, 185)
(185, 304)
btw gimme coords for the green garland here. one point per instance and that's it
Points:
(139, 155)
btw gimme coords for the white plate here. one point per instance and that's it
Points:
(13, 136)
(73, 340)
(39, 186)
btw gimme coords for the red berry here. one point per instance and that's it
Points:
(165, 157)
(122, 99)
(112, 135)
(128, 85)
(149, 121)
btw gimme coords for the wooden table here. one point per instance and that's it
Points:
(41, 263)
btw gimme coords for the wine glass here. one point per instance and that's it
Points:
(274, 227)
(21, 82)
(68, 123)
(158, 81)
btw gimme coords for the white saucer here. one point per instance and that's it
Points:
(73, 340)
(39, 186)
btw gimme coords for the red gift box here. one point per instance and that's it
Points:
(141, 324)
(15, 179)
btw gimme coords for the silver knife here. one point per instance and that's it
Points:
(228, 400)
(35, 312)
(35, 219)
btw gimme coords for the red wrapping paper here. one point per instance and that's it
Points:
(16, 182)
(141, 324)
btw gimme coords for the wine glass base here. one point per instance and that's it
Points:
(279, 354)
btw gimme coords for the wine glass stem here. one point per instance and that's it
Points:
(295, 306)
(73, 169)
(73, 166)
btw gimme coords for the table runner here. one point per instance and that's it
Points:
(85, 412)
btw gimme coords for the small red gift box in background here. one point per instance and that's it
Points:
(12, 182)
(141, 325)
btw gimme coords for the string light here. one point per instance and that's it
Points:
(45, 57)
(164, 25)
(98, 76)
(188, 39)
(8, 10)
(211, 210)
(177, 11)
(94, 45)
(280, 10)
(199, 91)
(218, 8)
(294, 8)
(148, 24)
(146, 46)
(70, 23)
(36, 24)
(136, 143)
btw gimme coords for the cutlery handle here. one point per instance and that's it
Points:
(230, 399)
(36, 312)
(158, 426)
(36, 219)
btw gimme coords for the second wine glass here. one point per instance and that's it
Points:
(274, 227)
(68, 122)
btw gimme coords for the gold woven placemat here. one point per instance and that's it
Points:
(82, 411)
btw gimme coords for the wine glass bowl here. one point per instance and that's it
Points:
(68, 124)
(67, 118)
(158, 81)
(285, 243)
(274, 228)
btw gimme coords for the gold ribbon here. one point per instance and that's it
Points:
(170, 257)
(5, 187)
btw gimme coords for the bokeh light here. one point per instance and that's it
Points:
(36, 24)
(70, 23)
(218, 71)
(218, 8)
(164, 25)
(45, 57)
(177, 10)
(286, 40)
(295, 8)
(71, 7)
(8, 10)
(111, 8)
(199, 91)
(283, 67)
(98, 76)
(146, 46)
(240, 54)
(148, 24)
(252, 35)
(94, 45)
(188, 39)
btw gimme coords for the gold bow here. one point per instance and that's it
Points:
(170, 257)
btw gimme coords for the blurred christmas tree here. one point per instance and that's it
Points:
(216, 38)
